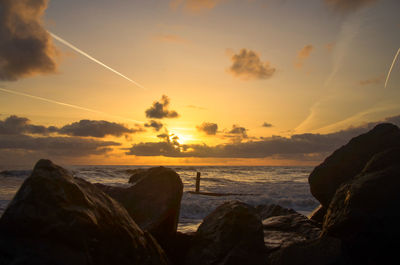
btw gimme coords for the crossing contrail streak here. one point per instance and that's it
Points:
(391, 67)
(66, 104)
(66, 43)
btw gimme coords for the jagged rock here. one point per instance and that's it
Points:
(178, 247)
(348, 161)
(153, 202)
(232, 234)
(285, 230)
(320, 251)
(269, 210)
(136, 174)
(57, 219)
(318, 215)
(364, 212)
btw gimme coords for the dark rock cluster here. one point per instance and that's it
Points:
(56, 218)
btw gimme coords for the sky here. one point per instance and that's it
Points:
(193, 82)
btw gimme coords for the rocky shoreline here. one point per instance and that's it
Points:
(56, 218)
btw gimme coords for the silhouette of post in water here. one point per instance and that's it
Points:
(198, 182)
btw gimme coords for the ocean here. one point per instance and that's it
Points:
(283, 185)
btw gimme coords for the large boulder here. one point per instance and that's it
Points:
(364, 212)
(285, 230)
(153, 202)
(320, 251)
(57, 219)
(136, 174)
(232, 234)
(269, 210)
(348, 161)
(292, 239)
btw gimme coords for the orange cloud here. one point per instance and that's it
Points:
(372, 81)
(169, 38)
(248, 65)
(194, 6)
(302, 55)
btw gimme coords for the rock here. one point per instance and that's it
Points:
(178, 247)
(232, 234)
(285, 230)
(57, 219)
(348, 161)
(318, 215)
(153, 202)
(136, 174)
(320, 251)
(269, 210)
(364, 212)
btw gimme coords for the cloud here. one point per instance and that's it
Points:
(159, 110)
(94, 128)
(15, 125)
(25, 46)
(266, 125)
(238, 130)
(348, 5)
(298, 145)
(56, 146)
(156, 125)
(303, 55)
(248, 65)
(329, 46)
(194, 6)
(208, 128)
(169, 38)
(195, 107)
(372, 81)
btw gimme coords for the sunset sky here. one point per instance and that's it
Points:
(235, 82)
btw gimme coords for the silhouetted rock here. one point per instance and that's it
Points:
(232, 234)
(320, 251)
(348, 161)
(284, 230)
(269, 210)
(153, 202)
(318, 215)
(57, 219)
(178, 247)
(136, 174)
(364, 212)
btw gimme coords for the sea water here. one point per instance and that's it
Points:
(286, 186)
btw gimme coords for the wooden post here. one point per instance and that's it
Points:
(198, 182)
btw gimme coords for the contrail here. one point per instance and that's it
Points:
(66, 104)
(93, 59)
(391, 67)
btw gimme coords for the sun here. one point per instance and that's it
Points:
(184, 138)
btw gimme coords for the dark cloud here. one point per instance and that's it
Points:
(208, 128)
(313, 146)
(238, 130)
(266, 125)
(372, 81)
(303, 55)
(248, 65)
(25, 46)
(94, 128)
(348, 5)
(159, 110)
(55, 146)
(156, 125)
(15, 125)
